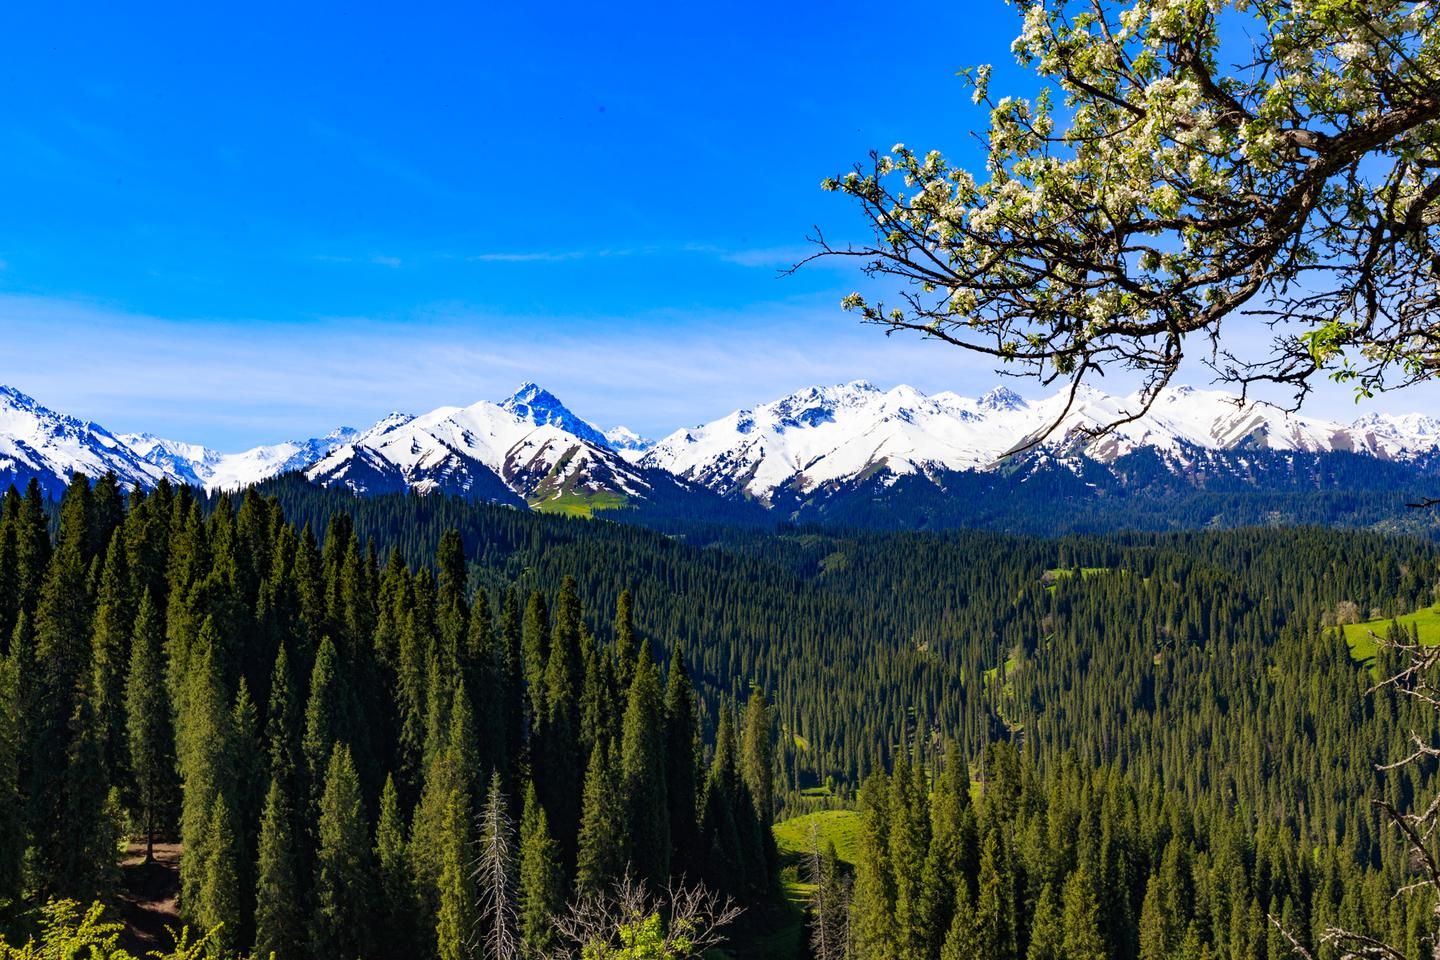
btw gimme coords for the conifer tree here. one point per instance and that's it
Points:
(601, 858)
(324, 725)
(1083, 940)
(535, 643)
(396, 915)
(455, 918)
(219, 902)
(995, 900)
(949, 859)
(114, 623)
(61, 711)
(1047, 929)
(542, 879)
(280, 921)
(642, 768)
(872, 924)
(909, 838)
(283, 726)
(150, 733)
(758, 769)
(12, 822)
(340, 925)
(626, 647)
(202, 755)
(512, 678)
(681, 799)
(964, 941)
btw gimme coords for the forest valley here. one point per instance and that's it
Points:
(403, 726)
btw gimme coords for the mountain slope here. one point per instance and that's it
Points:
(827, 437)
(36, 442)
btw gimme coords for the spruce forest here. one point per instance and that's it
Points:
(425, 727)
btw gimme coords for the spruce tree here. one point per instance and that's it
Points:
(455, 917)
(150, 732)
(1083, 939)
(280, 919)
(219, 903)
(396, 915)
(1047, 929)
(542, 879)
(202, 754)
(535, 646)
(948, 861)
(601, 859)
(626, 647)
(642, 770)
(872, 927)
(681, 768)
(12, 821)
(114, 623)
(757, 767)
(340, 925)
(324, 723)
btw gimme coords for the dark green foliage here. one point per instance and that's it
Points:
(542, 879)
(642, 775)
(280, 917)
(601, 859)
(344, 870)
(150, 736)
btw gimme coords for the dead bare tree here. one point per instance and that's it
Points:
(493, 873)
(680, 922)
(829, 906)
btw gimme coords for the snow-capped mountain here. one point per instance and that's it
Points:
(824, 436)
(529, 447)
(198, 465)
(808, 451)
(534, 404)
(627, 443)
(36, 442)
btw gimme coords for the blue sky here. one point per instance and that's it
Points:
(235, 225)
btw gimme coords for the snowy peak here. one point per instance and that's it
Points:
(534, 404)
(38, 443)
(821, 437)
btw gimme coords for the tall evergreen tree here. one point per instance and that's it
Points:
(542, 879)
(219, 902)
(148, 716)
(280, 919)
(1083, 939)
(681, 766)
(642, 772)
(396, 916)
(455, 919)
(340, 926)
(601, 859)
(114, 623)
(535, 643)
(12, 821)
(626, 646)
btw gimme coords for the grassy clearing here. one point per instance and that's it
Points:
(1359, 636)
(840, 827)
(580, 504)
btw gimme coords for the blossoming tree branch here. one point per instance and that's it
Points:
(1185, 164)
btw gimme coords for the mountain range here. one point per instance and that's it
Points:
(797, 456)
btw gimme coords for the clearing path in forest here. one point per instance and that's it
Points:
(149, 897)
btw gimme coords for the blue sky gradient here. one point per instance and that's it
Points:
(237, 225)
